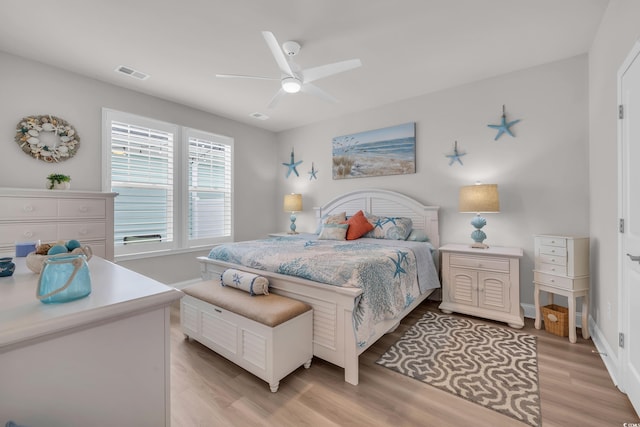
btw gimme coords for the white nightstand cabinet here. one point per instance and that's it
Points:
(562, 267)
(482, 282)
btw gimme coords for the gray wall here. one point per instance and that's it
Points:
(31, 88)
(618, 32)
(542, 173)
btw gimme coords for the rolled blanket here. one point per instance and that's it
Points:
(247, 282)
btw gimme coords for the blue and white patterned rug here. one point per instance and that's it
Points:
(491, 366)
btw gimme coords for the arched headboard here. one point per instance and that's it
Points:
(385, 203)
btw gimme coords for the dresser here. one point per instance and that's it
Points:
(102, 360)
(561, 267)
(30, 215)
(482, 282)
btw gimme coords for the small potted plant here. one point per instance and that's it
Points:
(59, 181)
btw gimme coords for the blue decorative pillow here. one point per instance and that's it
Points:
(391, 228)
(418, 236)
(334, 232)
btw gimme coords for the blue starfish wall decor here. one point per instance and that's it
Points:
(292, 166)
(504, 126)
(455, 157)
(313, 172)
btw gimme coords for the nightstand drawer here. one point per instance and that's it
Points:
(553, 250)
(485, 263)
(551, 280)
(551, 268)
(552, 241)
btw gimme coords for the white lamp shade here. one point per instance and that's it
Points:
(292, 202)
(479, 198)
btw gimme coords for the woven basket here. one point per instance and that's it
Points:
(556, 319)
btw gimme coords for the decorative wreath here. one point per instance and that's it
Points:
(28, 136)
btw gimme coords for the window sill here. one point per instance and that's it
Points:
(161, 253)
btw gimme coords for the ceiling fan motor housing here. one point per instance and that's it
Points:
(291, 48)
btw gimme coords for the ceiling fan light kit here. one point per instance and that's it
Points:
(294, 80)
(291, 85)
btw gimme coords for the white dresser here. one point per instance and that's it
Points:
(102, 360)
(482, 282)
(562, 267)
(29, 215)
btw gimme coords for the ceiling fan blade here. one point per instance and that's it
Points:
(316, 91)
(276, 98)
(277, 53)
(241, 76)
(315, 73)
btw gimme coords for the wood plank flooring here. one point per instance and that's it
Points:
(207, 390)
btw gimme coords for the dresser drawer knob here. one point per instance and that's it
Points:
(28, 234)
(28, 208)
(83, 232)
(83, 209)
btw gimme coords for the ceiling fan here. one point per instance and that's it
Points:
(293, 79)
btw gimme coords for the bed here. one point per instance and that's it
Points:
(336, 308)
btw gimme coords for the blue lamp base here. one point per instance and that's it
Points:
(478, 235)
(292, 227)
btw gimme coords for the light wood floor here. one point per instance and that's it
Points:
(207, 390)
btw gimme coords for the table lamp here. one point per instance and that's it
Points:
(293, 204)
(479, 198)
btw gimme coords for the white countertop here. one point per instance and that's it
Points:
(115, 292)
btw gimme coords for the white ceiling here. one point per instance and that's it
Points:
(407, 47)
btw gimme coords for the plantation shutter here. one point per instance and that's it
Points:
(142, 175)
(209, 183)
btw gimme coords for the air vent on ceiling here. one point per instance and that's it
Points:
(132, 73)
(259, 116)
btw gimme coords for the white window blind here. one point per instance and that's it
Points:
(142, 175)
(174, 184)
(209, 181)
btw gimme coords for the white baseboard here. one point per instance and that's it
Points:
(184, 284)
(607, 354)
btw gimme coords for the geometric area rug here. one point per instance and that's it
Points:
(491, 366)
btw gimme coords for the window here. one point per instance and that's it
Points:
(174, 184)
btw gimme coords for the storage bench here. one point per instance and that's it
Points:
(268, 335)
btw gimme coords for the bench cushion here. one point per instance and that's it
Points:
(270, 310)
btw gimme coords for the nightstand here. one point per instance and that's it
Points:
(482, 282)
(562, 268)
(282, 234)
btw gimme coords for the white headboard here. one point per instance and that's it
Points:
(386, 203)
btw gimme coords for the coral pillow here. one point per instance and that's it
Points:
(358, 226)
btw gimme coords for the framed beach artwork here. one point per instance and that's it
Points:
(387, 151)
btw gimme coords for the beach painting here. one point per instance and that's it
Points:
(387, 151)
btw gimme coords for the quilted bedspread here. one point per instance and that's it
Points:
(391, 273)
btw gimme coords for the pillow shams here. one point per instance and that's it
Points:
(331, 219)
(333, 232)
(392, 228)
(418, 236)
